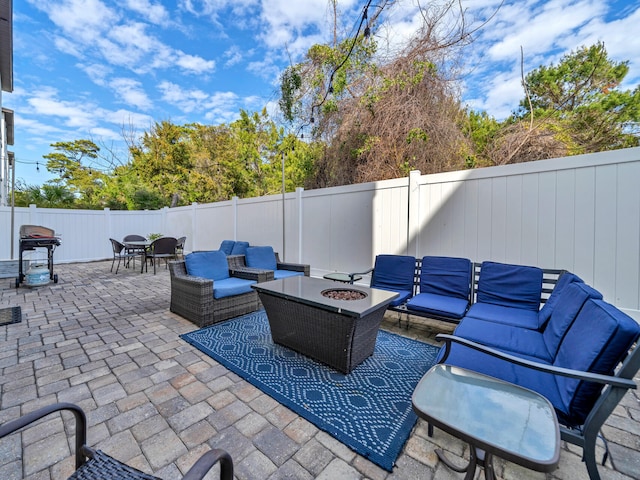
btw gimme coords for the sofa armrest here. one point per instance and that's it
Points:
(236, 261)
(565, 372)
(295, 267)
(255, 274)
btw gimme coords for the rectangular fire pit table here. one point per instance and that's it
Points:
(339, 333)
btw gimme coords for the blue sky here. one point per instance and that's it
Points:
(98, 68)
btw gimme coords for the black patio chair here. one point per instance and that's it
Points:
(95, 464)
(164, 247)
(121, 253)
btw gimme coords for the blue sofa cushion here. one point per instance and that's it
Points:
(286, 273)
(597, 341)
(440, 305)
(227, 246)
(212, 265)
(449, 276)
(545, 312)
(261, 257)
(514, 340)
(518, 317)
(239, 248)
(507, 285)
(572, 299)
(394, 273)
(231, 286)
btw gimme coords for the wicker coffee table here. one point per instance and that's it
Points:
(339, 333)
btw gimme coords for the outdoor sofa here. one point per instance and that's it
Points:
(577, 351)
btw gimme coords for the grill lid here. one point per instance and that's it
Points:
(35, 231)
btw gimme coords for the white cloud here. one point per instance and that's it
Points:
(153, 12)
(131, 92)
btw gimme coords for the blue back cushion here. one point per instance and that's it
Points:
(394, 272)
(239, 248)
(572, 298)
(261, 257)
(565, 279)
(449, 276)
(597, 341)
(212, 265)
(227, 246)
(510, 285)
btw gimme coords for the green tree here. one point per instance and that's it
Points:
(581, 102)
(49, 195)
(83, 181)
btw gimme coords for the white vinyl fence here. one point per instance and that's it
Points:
(579, 213)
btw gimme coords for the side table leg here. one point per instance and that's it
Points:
(470, 468)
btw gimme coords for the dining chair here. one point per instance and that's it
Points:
(164, 247)
(122, 254)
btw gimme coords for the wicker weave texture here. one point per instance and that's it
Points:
(337, 340)
(192, 298)
(102, 467)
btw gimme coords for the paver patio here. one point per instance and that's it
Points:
(109, 343)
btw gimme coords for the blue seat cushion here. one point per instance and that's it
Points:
(239, 248)
(447, 276)
(508, 315)
(545, 312)
(597, 341)
(286, 273)
(261, 257)
(231, 286)
(227, 246)
(515, 286)
(212, 265)
(440, 305)
(514, 340)
(395, 273)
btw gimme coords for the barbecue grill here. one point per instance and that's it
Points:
(32, 237)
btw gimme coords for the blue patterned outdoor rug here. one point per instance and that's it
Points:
(368, 410)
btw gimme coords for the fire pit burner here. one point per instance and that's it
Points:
(343, 294)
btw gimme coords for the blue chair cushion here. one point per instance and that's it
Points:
(227, 246)
(514, 340)
(239, 248)
(394, 273)
(597, 341)
(212, 265)
(448, 276)
(545, 312)
(572, 299)
(515, 286)
(286, 273)
(440, 305)
(231, 286)
(261, 257)
(517, 317)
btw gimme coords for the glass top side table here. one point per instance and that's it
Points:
(492, 416)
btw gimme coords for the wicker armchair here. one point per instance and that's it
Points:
(95, 464)
(192, 297)
(237, 263)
